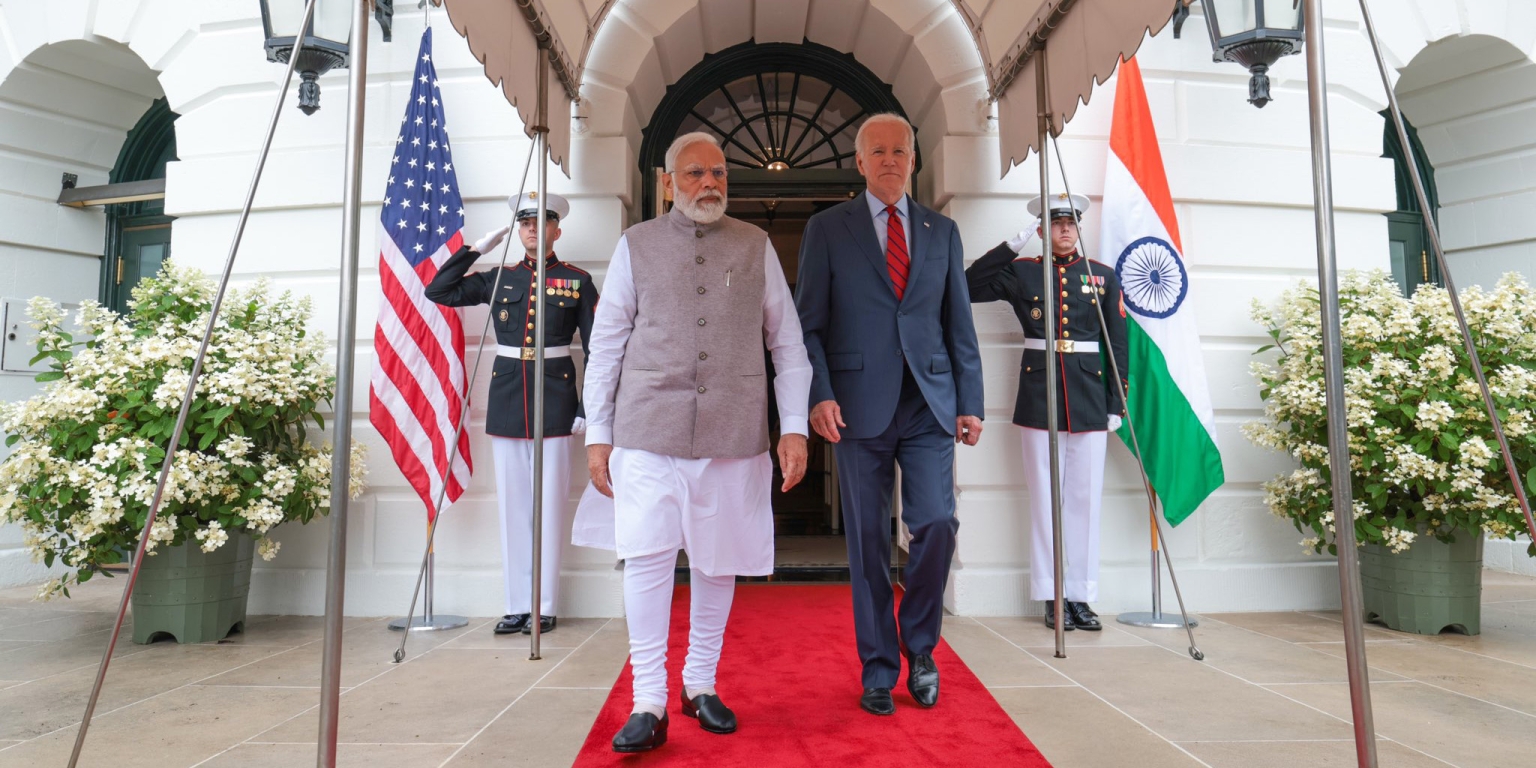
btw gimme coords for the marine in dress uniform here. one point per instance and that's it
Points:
(570, 301)
(1088, 402)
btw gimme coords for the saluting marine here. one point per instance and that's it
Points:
(570, 299)
(1088, 402)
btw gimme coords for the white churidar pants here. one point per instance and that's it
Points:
(718, 511)
(648, 607)
(1082, 489)
(514, 494)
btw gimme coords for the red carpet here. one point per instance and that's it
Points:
(791, 673)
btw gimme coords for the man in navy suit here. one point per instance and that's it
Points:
(896, 381)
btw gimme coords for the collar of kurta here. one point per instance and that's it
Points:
(548, 262)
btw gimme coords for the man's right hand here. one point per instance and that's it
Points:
(826, 417)
(490, 240)
(597, 467)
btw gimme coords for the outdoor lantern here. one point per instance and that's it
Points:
(1255, 34)
(321, 48)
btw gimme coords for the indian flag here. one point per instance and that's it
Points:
(1169, 401)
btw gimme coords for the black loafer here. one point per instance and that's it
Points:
(923, 679)
(512, 623)
(1083, 617)
(1066, 615)
(713, 715)
(877, 701)
(642, 733)
(546, 625)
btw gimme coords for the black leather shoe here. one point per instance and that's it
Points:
(642, 733)
(713, 715)
(1066, 614)
(546, 624)
(1083, 617)
(923, 679)
(877, 701)
(512, 623)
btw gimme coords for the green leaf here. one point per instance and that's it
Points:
(48, 376)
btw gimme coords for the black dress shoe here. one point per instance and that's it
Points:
(877, 701)
(713, 715)
(512, 623)
(546, 624)
(1083, 617)
(1066, 615)
(923, 679)
(642, 733)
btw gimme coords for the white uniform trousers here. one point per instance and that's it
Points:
(648, 582)
(1082, 489)
(514, 492)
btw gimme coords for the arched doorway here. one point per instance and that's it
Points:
(1406, 230)
(786, 116)
(138, 233)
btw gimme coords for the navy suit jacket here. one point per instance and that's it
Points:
(859, 337)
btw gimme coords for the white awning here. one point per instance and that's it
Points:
(1083, 41)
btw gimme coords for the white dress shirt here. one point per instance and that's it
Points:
(615, 321)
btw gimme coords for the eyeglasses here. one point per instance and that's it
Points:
(696, 175)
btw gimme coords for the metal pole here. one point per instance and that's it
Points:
(541, 128)
(1445, 275)
(427, 557)
(1136, 619)
(1333, 382)
(1051, 396)
(341, 418)
(186, 400)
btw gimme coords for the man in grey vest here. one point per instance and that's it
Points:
(677, 434)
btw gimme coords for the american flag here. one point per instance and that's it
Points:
(418, 383)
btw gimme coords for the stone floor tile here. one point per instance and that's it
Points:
(993, 659)
(1185, 700)
(1074, 729)
(1506, 635)
(1298, 627)
(367, 649)
(1031, 632)
(569, 634)
(1311, 754)
(440, 697)
(181, 728)
(64, 626)
(251, 755)
(1449, 726)
(290, 631)
(596, 664)
(47, 704)
(1254, 657)
(544, 728)
(33, 660)
(6, 646)
(1499, 682)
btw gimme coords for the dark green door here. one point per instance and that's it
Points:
(142, 251)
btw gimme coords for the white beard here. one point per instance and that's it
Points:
(705, 212)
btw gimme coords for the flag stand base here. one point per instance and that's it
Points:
(433, 624)
(1152, 620)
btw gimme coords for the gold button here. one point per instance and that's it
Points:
(1093, 301)
(1063, 294)
(530, 326)
(1063, 307)
(493, 374)
(527, 339)
(1066, 334)
(565, 375)
(1062, 270)
(1064, 321)
(1063, 281)
(1027, 369)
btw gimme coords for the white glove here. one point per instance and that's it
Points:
(1114, 423)
(491, 240)
(579, 426)
(1017, 242)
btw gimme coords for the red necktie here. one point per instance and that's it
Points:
(896, 258)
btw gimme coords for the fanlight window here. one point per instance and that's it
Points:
(780, 120)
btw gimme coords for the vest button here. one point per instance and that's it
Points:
(701, 390)
(701, 322)
(698, 233)
(703, 355)
(698, 259)
(701, 290)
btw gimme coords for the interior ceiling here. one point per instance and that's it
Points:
(929, 50)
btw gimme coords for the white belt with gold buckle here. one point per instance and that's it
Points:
(526, 353)
(1064, 346)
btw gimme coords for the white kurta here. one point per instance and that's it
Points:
(716, 509)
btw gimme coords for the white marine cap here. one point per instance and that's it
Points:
(1060, 205)
(527, 206)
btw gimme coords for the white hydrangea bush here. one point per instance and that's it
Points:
(1423, 456)
(87, 451)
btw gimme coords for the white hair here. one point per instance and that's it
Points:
(883, 118)
(685, 141)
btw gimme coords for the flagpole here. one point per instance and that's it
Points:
(541, 137)
(137, 562)
(1333, 386)
(341, 420)
(1051, 395)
